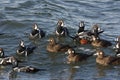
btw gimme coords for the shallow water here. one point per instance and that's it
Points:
(18, 16)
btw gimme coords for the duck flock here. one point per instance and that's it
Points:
(83, 37)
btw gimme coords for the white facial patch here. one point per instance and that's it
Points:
(22, 44)
(69, 51)
(97, 53)
(93, 38)
(81, 24)
(99, 29)
(36, 27)
(117, 45)
(100, 53)
(62, 24)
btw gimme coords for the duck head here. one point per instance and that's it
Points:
(117, 39)
(1, 53)
(81, 24)
(52, 41)
(60, 23)
(96, 27)
(99, 53)
(35, 27)
(22, 43)
(70, 51)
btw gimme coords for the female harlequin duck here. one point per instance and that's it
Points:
(61, 30)
(117, 47)
(76, 57)
(106, 60)
(24, 50)
(4, 60)
(36, 32)
(97, 42)
(56, 47)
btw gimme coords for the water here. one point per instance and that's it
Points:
(18, 16)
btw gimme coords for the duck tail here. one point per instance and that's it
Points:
(33, 48)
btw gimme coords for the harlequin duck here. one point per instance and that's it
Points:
(28, 69)
(96, 30)
(76, 57)
(8, 60)
(4, 60)
(117, 47)
(82, 35)
(61, 30)
(56, 47)
(97, 42)
(81, 27)
(36, 32)
(106, 60)
(24, 50)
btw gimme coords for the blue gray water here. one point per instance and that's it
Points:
(18, 16)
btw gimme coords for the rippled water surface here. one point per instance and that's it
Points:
(18, 16)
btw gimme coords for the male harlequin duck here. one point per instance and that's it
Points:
(106, 60)
(4, 60)
(28, 69)
(76, 57)
(36, 32)
(61, 30)
(81, 27)
(8, 60)
(117, 47)
(56, 47)
(85, 35)
(97, 42)
(82, 35)
(96, 30)
(24, 50)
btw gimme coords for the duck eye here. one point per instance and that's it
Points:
(97, 53)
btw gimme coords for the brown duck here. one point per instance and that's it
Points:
(76, 57)
(97, 42)
(56, 47)
(106, 60)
